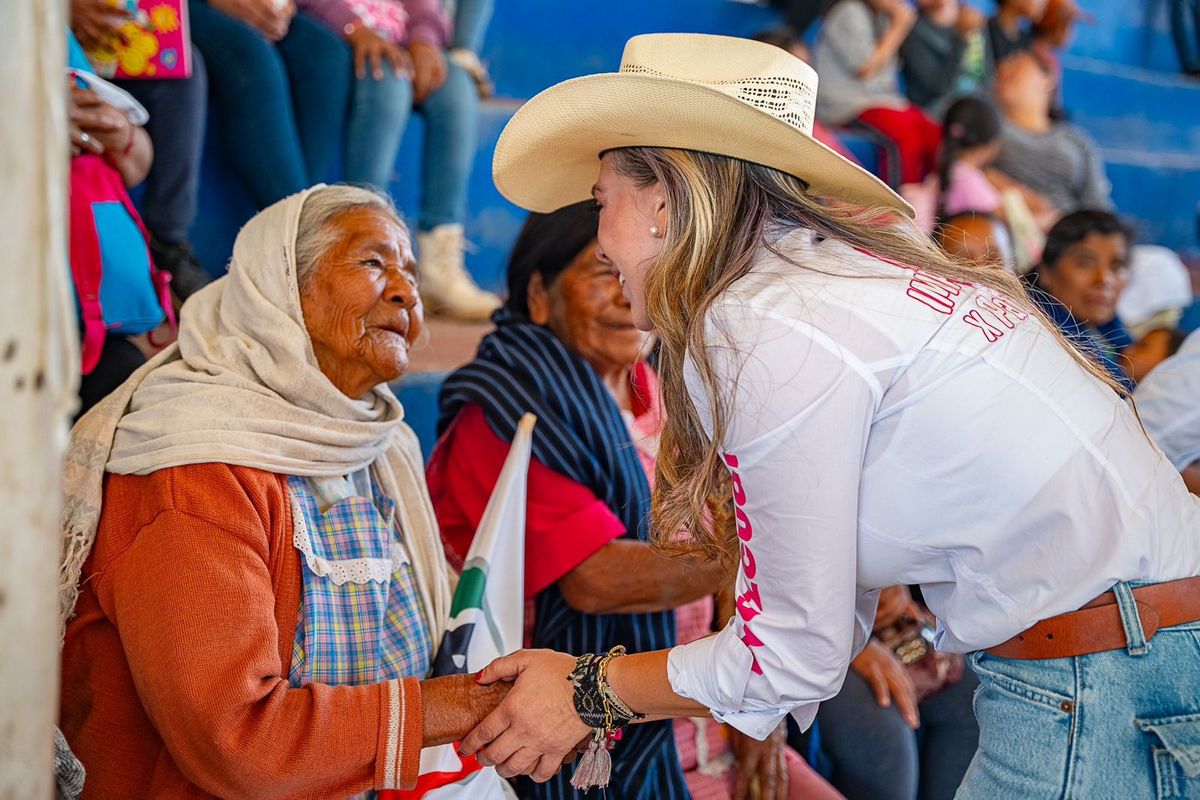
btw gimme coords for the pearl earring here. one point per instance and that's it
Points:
(655, 232)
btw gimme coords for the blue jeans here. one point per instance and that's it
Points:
(1119, 724)
(176, 127)
(377, 119)
(280, 106)
(471, 18)
(872, 753)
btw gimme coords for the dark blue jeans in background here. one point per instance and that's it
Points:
(176, 127)
(280, 105)
(874, 754)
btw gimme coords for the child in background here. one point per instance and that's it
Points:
(856, 56)
(970, 141)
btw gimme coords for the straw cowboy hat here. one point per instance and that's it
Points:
(716, 94)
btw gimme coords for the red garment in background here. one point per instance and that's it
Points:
(564, 521)
(917, 138)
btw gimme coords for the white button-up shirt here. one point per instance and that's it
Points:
(887, 426)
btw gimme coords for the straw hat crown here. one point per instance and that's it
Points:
(765, 77)
(717, 94)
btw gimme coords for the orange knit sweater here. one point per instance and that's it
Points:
(174, 678)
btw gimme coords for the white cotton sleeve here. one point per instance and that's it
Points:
(799, 419)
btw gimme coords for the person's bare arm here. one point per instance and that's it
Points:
(901, 17)
(1191, 477)
(628, 577)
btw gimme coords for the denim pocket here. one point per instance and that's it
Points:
(1176, 754)
(1008, 678)
(1026, 734)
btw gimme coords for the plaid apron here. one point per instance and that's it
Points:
(361, 618)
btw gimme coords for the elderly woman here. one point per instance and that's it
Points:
(1083, 271)
(567, 347)
(249, 537)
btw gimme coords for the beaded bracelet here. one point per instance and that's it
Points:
(601, 710)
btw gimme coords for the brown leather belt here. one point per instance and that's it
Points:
(1097, 626)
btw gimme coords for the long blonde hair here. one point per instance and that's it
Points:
(719, 212)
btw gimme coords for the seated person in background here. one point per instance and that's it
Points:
(176, 126)
(856, 58)
(1159, 289)
(978, 237)
(1082, 273)
(1054, 30)
(970, 141)
(1055, 159)
(259, 577)
(1167, 403)
(97, 128)
(566, 349)
(945, 55)
(279, 82)
(901, 729)
(1010, 30)
(820, 132)
(1153, 348)
(400, 61)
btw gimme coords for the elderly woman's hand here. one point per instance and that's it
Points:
(536, 727)
(454, 704)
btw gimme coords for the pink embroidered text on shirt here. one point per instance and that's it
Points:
(994, 315)
(749, 603)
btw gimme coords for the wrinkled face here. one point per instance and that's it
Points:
(588, 312)
(1089, 277)
(361, 304)
(628, 214)
(1021, 81)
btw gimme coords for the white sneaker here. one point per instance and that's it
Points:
(446, 288)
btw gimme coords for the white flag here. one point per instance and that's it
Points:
(487, 618)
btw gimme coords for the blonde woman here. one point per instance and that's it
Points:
(869, 412)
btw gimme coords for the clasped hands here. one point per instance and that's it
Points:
(535, 730)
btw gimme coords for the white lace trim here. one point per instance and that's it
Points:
(350, 570)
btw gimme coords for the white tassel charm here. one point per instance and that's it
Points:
(595, 767)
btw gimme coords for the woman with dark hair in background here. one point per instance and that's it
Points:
(1083, 271)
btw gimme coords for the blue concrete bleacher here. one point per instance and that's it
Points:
(1120, 84)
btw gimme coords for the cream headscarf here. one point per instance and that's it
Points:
(242, 386)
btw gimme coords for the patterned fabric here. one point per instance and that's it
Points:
(580, 433)
(350, 630)
(386, 17)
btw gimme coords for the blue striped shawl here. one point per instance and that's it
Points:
(580, 433)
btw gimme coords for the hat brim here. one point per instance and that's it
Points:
(548, 154)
